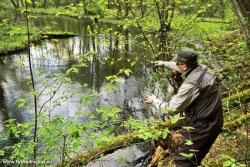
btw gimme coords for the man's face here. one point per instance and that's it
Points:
(182, 67)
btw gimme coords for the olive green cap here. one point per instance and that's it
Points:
(187, 56)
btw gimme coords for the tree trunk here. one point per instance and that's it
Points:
(33, 4)
(45, 3)
(14, 4)
(243, 24)
(17, 3)
(23, 4)
(119, 7)
(57, 3)
(162, 12)
(244, 6)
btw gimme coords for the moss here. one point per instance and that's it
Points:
(14, 38)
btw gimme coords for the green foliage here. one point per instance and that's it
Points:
(188, 142)
(176, 118)
(231, 162)
(146, 130)
(20, 103)
(108, 113)
(22, 149)
(61, 138)
(153, 133)
(14, 37)
(190, 155)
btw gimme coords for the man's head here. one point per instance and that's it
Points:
(186, 59)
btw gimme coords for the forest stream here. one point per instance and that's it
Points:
(53, 56)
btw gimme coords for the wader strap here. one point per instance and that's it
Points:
(201, 76)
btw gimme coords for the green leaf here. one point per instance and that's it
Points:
(29, 1)
(108, 77)
(20, 103)
(110, 87)
(118, 80)
(188, 142)
(175, 119)
(165, 133)
(2, 152)
(72, 70)
(76, 145)
(141, 136)
(188, 128)
(190, 155)
(27, 133)
(127, 72)
(8, 133)
(227, 163)
(158, 133)
(75, 134)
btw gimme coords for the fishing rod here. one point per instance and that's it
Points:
(144, 59)
(151, 62)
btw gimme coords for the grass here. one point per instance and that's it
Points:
(14, 38)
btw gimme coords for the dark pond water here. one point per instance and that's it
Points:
(54, 56)
(106, 55)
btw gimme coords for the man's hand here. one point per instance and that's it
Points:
(158, 63)
(150, 98)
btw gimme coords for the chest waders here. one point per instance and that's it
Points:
(205, 129)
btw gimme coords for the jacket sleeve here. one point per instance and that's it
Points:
(185, 96)
(171, 65)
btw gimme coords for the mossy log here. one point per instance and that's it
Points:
(227, 69)
(49, 35)
(236, 123)
(127, 139)
(119, 142)
(235, 99)
(240, 69)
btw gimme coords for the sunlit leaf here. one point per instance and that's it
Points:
(227, 163)
(190, 155)
(188, 142)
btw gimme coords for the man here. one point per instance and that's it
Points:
(199, 99)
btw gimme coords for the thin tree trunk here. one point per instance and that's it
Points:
(33, 84)
(44, 3)
(14, 4)
(244, 26)
(33, 3)
(17, 3)
(57, 3)
(163, 15)
(23, 4)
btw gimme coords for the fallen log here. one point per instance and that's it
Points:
(235, 99)
(236, 123)
(119, 142)
(158, 155)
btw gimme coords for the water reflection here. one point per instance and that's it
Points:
(106, 55)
